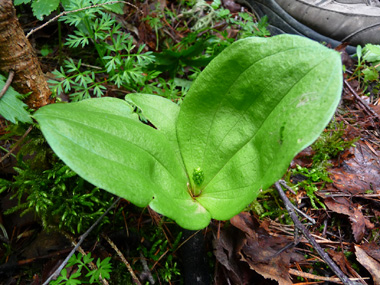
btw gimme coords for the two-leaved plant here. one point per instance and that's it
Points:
(253, 108)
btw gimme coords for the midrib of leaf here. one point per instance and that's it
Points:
(232, 84)
(259, 128)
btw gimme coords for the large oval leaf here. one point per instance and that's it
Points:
(102, 141)
(252, 109)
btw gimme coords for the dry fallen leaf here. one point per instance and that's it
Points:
(263, 252)
(359, 173)
(225, 253)
(341, 260)
(372, 249)
(371, 264)
(344, 206)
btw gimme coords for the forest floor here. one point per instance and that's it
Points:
(337, 179)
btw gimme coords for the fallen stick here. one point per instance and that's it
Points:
(81, 239)
(308, 236)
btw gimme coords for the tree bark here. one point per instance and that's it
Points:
(17, 54)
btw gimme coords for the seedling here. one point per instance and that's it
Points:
(252, 109)
(368, 66)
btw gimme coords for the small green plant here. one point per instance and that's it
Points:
(121, 62)
(45, 186)
(328, 146)
(104, 268)
(311, 177)
(204, 42)
(243, 120)
(368, 66)
(160, 254)
(11, 106)
(169, 270)
(42, 8)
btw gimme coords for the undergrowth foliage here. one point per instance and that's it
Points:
(118, 58)
(120, 62)
(45, 186)
(84, 274)
(58, 196)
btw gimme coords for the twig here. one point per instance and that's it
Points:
(7, 83)
(81, 239)
(16, 144)
(309, 237)
(119, 253)
(323, 278)
(146, 272)
(74, 11)
(283, 183)
(361, 101)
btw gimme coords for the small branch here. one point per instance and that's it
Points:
(367, 108)
(120, 254)
(312, 241)
(146, 272)
(283, 183)
(81, 239)
(74, 11)
(17, 144)
(7, 83)
(323, 278)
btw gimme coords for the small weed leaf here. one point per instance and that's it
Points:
(253, 108)
(11, 106)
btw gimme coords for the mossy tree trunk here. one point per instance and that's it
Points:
(17, 54)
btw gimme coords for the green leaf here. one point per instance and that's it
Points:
(161, 112)
(370, 74)
(116, 8)
(371, 53)
(252, 109)
(44, 7)
(19, 2)
(112, 150)
(11, 107)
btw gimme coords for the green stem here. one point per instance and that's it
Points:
(196, 191)
(98, 48)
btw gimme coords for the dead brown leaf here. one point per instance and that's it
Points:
(371, 264)
(372, 249)
(225, 252)
(344, 206)
(341, 260)
(359, 173)
(263, 252)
